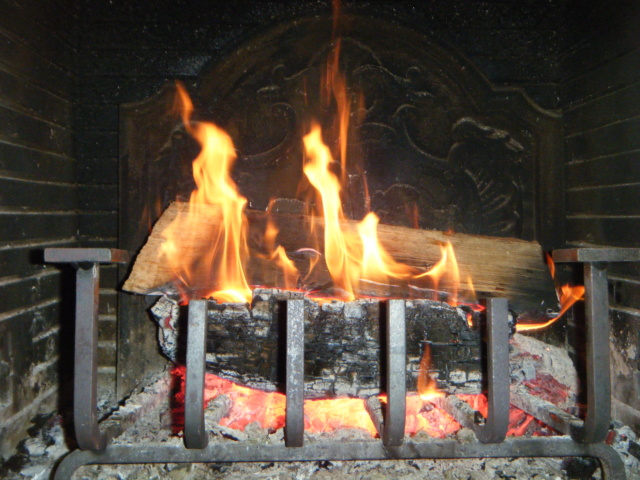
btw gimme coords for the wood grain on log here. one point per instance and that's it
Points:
(504, 267)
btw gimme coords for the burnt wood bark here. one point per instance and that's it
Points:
(343, 353)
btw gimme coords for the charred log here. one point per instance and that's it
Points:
(342, 345)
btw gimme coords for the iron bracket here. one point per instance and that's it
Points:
(294, 413)
(195, 434)
(393, 426)
(86, 262)
(598, 376)
(492, 429)
(612, 465)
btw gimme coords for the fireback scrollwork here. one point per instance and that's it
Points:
(439, 146)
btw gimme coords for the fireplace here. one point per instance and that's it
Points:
(61, 143)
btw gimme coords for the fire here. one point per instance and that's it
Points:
(277, 254)
(377, 265)
(215, 195)
(249, 405)
(352, 258)
(426, 385)
(567, 294)
(447, 267)
(338, 248)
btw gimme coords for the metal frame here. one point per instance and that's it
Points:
(490, 431)
(611, 462)
(86, 262)
(392, 426)
(195, 434)
(294, 413)
(598, 375)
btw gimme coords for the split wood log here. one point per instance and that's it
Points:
(499, 267)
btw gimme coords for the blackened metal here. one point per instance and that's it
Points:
(598, 373)
(294, 419)
(85, 417)
(195, 435)
(569, 255)
(493, 429)
(86, 261)
(84, 255)
(544, 411)
(613, 467)
(396, 350)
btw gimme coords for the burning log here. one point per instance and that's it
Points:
(506, 267)
(246, 344)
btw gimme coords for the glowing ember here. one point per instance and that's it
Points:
(328, 415)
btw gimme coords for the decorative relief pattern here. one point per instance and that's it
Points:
(437, 145)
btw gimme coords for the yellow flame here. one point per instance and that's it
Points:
(377, 265)
(215, 195)
(568, 295)
(445, 268)
(318, 172)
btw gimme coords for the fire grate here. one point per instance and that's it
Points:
(585, 439)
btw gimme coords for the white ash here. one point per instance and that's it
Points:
(166, 312)
(551, 360)
(150, 429)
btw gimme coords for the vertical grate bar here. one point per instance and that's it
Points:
(294, 417)
(85, 377)
(195, 435)
(395, 418)
(493, 429)
(597, 419)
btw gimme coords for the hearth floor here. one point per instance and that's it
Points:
(151, 409)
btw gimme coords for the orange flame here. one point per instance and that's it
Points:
(376, 264)
(278, 255)
(426, 384)
(215, 195)
(568, 295)
(446, 267)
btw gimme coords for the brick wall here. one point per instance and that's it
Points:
(38, 202)
(600, 99)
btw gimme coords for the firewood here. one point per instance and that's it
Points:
(342, 352)
(499, 267)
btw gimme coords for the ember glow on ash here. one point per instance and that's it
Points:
(328, 415)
